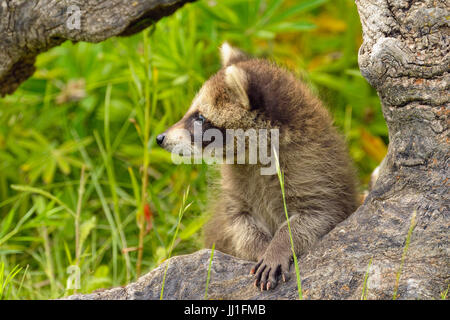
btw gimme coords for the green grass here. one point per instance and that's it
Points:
(412, 225)
(208, 278)
(366, 277)
(183, 209)
(6, 279)
(400, 268)
(294, 255)
(100, 107)
(444, 294)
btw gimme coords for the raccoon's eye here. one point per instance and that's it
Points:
(201, 118)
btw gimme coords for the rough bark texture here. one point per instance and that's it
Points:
(28, 28)
(186, 279)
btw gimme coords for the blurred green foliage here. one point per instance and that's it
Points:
(89, 105)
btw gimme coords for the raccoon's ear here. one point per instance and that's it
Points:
(230, 55)
(237, 81)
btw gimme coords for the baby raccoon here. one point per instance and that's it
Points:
(249, 219)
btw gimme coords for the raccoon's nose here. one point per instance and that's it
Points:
(160, 138)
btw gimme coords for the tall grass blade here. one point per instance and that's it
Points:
(182, 210)
(5, 282)
(366, 277)
(43, 193)
(209, 270)
(297, 270)
(405, 250)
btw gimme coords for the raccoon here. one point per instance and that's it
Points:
(249, 220)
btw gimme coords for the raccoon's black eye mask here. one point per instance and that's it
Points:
(201, 118)
(198, 117)
(206, 124)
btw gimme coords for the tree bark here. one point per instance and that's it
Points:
(405, 57)
(29, 27)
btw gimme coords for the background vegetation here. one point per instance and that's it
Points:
(81, 179)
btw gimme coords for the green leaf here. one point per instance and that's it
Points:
(68, 254)
(192, 228)
(269, 12)
(44, 193)
(301, 7)
(86, 228)
(291, 26)
(264, 34)
(49, 171)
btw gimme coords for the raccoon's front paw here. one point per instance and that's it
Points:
(270, 268)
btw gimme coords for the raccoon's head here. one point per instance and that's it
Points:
(222, 103)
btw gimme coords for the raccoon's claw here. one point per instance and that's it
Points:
(267, 273)
(253, 270)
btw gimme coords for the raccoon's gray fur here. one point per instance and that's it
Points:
(249, 220)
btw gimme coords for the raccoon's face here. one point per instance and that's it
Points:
(221, 104)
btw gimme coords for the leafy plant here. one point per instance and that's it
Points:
(5, 281)
(209, 270)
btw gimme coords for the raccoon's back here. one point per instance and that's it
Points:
(321, 175)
